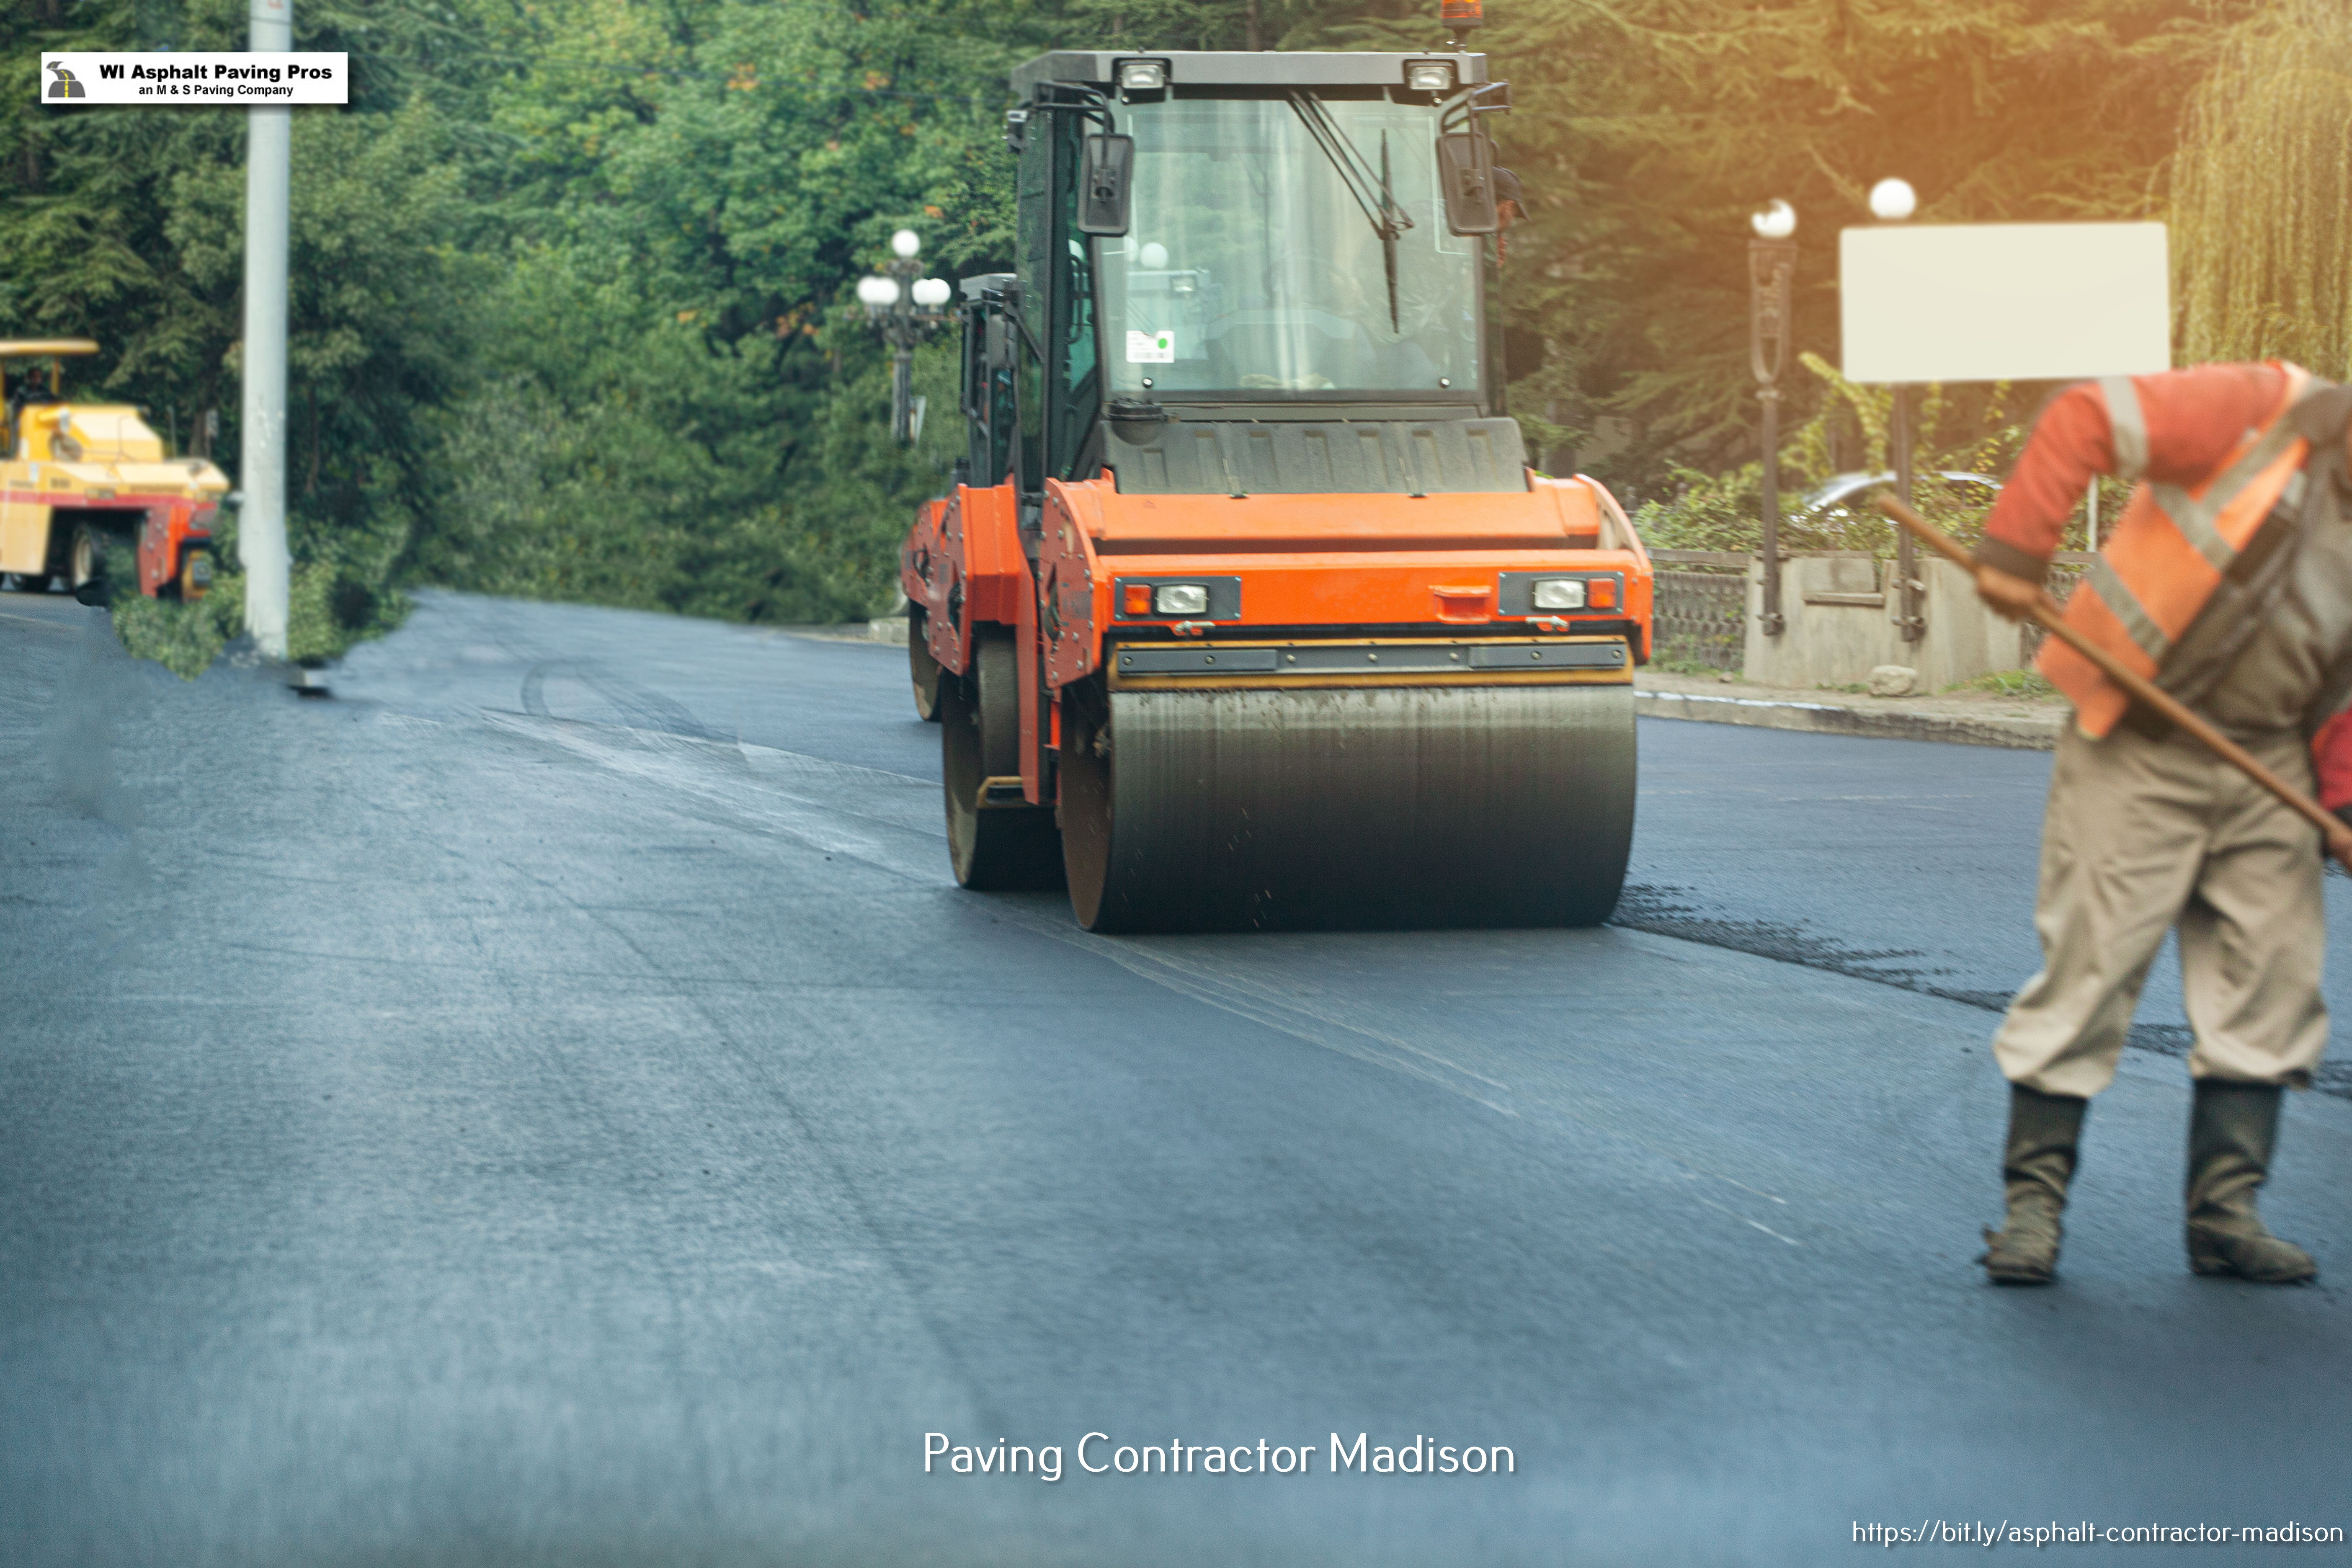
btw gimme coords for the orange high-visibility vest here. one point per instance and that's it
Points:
(2170, 549)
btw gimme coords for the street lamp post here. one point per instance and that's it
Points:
(1892, 201)
(905, 305)
(1772, 264)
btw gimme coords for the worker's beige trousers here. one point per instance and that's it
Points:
(2141, 834)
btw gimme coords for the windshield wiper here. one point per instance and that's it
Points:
(1375, 196)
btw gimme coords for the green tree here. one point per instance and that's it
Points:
(690, 414)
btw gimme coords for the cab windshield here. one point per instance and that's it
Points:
(1251, 270)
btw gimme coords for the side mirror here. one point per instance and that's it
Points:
(1105, 174)
(1465, 166)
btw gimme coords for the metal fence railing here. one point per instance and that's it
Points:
(2065, 574)
(1701, 607)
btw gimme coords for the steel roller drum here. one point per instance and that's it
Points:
(1380, 806)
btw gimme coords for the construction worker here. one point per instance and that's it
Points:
(1510, 206)
(2227, 580)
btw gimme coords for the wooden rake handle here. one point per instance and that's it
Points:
(2047, 614)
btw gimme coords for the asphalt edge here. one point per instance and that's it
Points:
(1831, 718)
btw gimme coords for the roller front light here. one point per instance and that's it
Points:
(1559, 593)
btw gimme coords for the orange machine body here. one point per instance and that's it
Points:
(1367, 566)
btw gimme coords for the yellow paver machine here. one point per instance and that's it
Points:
(84, 481)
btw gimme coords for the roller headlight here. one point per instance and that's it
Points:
(1181, 599)
(1559, 593)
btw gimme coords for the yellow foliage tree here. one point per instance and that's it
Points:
(2262, 193)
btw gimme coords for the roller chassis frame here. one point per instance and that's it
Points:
(1040, 599)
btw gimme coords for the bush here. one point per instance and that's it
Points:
(183, 638)
(2008, 683)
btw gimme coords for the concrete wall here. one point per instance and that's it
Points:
(1841, 613)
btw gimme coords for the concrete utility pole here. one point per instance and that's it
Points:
(268, 177)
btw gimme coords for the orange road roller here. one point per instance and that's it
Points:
(1266, 623)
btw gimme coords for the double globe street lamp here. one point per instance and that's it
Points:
(905, 305)
(1772, 268)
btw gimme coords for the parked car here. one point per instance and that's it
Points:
(1830, 507)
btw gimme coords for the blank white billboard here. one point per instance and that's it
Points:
(2004, 302)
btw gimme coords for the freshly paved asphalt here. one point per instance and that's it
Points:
(550, 1104)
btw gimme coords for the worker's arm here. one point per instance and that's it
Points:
(2175, 427)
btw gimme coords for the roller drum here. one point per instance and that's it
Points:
(1398, 806)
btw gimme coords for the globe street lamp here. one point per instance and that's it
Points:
(905, 305)
(1772, 264)
(1892, 201)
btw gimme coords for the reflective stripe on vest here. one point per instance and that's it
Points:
(2169, 549)
(2126, 426)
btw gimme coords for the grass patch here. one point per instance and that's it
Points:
(327, 612)
(1690, 667)
(2008, 683)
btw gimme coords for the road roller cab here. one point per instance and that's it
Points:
(1264, 620)
(87, 493)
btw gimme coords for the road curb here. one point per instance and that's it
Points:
(1831, 718)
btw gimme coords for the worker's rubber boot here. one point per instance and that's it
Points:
(2232, 1133)
(2043, 1130)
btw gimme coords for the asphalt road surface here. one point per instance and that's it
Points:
(550, 1104)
